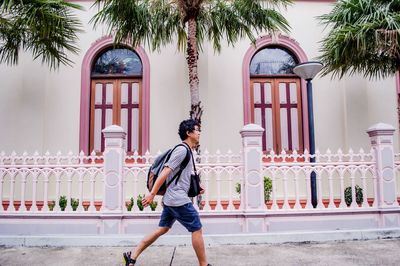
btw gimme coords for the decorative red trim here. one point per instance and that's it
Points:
(87, 62)
(291, 45)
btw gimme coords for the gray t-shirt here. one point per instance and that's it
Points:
(177, 193)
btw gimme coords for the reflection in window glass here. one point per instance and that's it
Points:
(118, 61)
(272, 60)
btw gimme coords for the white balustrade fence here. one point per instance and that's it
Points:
(251, 185)
(36, 183)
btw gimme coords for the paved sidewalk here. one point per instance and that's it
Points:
(368, 252)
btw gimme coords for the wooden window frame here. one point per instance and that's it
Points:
(276, 107)
(116, 109)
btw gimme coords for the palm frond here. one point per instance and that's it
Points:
(46, 28)
(364, 37)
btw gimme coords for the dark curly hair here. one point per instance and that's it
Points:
(185, 126)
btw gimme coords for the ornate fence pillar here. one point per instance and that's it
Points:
(114, 157)
(252, 192)
(381, 136)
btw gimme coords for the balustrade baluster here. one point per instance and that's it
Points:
(46, 174)
(353, 189)
(364, 185)
(308, 171)
(207, 206)
(69, 186)
(274, 200)
(2, 174)
(318, 173)
(218, 207)
(92, 207)
(342, 201)
(58, 173)
(230, 186)
(331, 204)
(81, 183)
(297, 204)
(11, 207)
(375, 182)
(135, 173)
(22, 207)
(285, 205)
(36, 174)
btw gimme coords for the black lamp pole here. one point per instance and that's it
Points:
(312, 142)
(308, 71)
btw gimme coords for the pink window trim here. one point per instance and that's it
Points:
(291, 45)
(90, 55)
(398, 82)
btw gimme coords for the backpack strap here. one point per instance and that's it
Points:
(183, 165)
(186, 160)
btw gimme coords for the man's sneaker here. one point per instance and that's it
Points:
(127, 258)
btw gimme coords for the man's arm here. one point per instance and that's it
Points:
(160, 180)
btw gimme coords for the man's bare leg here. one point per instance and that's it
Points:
(148, 240)
(198, 246)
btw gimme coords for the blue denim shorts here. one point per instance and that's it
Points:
(185, 214)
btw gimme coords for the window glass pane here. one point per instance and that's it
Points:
(284, 130)
(293, 93)
(256, 88)
(268, 92)
(124, 121)
(109, 93)
(282, 92)
(97, 130)
(135, 129)
(99, 93)
(268, 129)
(295, 129)
(135, 92)
(272, 60)
(124, 93)
(118, 61)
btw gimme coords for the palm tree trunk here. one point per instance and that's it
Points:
(196, 110)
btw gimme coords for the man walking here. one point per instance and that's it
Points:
(176, 203)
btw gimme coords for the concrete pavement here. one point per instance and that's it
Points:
(360, 252)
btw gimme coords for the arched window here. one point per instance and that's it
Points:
(275, 98)
(115, 96)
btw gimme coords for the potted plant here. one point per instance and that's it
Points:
(129, 205)
(74, 203)
(51, 205)
(153, 205)
(62, 202)
(139, 202)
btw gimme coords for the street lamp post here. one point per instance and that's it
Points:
(308, 71)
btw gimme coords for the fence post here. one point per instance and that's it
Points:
(252, 191)
(381, 136)
(114, 157)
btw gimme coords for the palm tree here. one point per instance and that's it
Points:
(191, 22)
(364, 37)
(48, 29)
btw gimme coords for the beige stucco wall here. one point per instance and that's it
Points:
(40, 110)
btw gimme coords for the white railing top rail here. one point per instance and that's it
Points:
(205, 158)
(48, 160)
(320, 158)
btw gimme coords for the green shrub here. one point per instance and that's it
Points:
(74, 203)
(139, 202)
(348, 195)
(267, 188)
(62, 202)
(130, 205)
(153, 205)
(51, 205)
